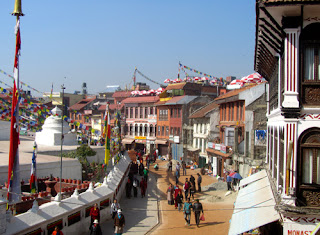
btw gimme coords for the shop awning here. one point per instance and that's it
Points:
(160, 141)
(193, 149)
(217, 152)
(257, 176)
(127, 141)
(254, 207)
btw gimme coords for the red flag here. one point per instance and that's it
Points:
(14, 186)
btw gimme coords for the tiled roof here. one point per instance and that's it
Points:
(121, 94)
(143, 99)
(111, 107)
(176, 86)
(204, 110)
(234, 92)
(185, 99)
(82, 103)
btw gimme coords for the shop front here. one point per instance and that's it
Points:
(220, 161)
(162, 146)
(128, 143)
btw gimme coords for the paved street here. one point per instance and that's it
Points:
(141, 214)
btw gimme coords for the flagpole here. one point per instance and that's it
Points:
(62, 137)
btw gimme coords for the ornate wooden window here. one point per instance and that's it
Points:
(309, 168)
(310, 64)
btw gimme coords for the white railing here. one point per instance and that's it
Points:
(72, 214)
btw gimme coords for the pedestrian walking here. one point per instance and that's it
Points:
(148, 161)
(179, 200)
(57, 231)
(94, 214)
(170, 192)
(145, 174)
(229, 181)
(95, 228)
(143, 187)
(135, 186)
(170, 166)
(199, 181)
(187, 211)
(186, 188)
(192, 191)
(193, 181)
(119, 222)
(178, 167)
(141, 168)
(184, 168)
(115, 206)
(176, 193)
(197, 208)
(177, 175)
(128, 189)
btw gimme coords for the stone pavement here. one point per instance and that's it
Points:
(141, 214)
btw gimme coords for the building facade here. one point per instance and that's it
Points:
(287, 55)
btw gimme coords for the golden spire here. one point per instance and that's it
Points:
(17, 11)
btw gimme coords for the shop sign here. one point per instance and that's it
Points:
(223, 148)
(176, 139)
(171, 137)
(140, 137)
(290, 228)
(217, 147)
(152, 118)
(210, 145)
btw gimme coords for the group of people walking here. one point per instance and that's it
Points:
(175, 196)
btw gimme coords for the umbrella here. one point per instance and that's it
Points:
(177, 80)
(196, 78)
(204, 79)
(232, 173)
(236, 82)
(254, 78)
(167, 80)
(236, 176)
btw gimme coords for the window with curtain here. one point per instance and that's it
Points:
(309, 168)
(310, 64)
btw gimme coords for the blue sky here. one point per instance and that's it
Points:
(101, 41)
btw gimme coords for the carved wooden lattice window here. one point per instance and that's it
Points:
(309, 172)
(310, 64)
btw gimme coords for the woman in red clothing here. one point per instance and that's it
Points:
(176, 193)
(143, 187)
(94, 213)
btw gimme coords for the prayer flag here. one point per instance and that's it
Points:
(107, 135)
(33, 177)
(14, 186)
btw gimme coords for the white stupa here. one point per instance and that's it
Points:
(51, 131)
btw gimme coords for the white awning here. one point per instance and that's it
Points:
(127, 141)
(193, 149)
(252, 178)
(254, 207)
(158, 141)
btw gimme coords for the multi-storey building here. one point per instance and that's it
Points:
(242, 115)
(204, 130)
(141, 122)
(287, 55)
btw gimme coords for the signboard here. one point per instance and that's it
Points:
(223, 148)
(210, 145)
(140, 137)
(152, 119)
(171, 137)
(293, 228)
(217, 147)
(176, 139)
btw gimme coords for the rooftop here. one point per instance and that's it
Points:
(143, 99)
(121, 94)
(204, 110)
(234, 92)
(82, 103)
